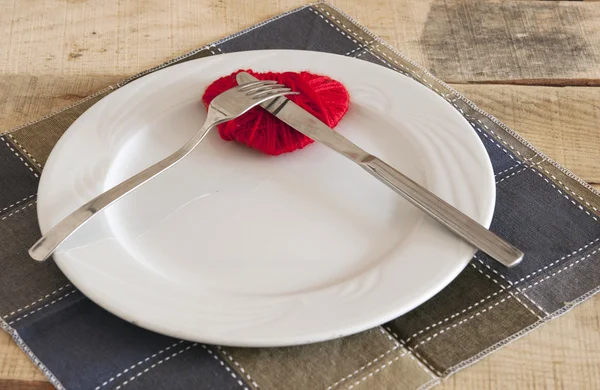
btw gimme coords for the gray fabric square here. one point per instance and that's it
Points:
(465, 338)
(567, 282)
(544, 222)
(301, 30)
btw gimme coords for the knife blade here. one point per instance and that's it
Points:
(461, 224)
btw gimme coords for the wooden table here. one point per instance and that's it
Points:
(533, 64)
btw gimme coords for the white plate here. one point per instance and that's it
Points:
(236, 248)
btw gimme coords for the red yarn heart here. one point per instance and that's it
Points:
(322, 96)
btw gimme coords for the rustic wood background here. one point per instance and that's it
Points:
(533, 64)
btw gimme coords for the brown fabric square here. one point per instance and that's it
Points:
(466, 293)
(313, 366)
(39, 138)
(470, 335)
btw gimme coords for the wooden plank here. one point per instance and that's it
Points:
(463, 41)
(24, 385)
(14, 364)
(25, 98)
(537, 42)
(561, 122)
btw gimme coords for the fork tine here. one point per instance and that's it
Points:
(258, 88)
(269, 92)
(245, 87)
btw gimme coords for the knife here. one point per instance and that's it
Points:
(465, 227)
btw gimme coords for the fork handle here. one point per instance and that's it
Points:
(459, 223)
(46, 245)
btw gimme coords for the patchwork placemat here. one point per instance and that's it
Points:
(541, 208)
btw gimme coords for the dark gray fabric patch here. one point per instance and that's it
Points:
(17, 178)
(22, 280)
(302, 30)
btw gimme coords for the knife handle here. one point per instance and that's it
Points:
(459, 223)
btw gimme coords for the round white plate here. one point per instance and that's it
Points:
(237, 248)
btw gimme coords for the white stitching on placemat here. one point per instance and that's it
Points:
(509, 291)
(377, 371)
(215, 47)
(498, 136)
(428, 339)
(454, 315)
(18, 211)
(399, 64)
(518, 164)
(226, 367)
(558, 261)
(389, 336)
(570, 190)
(511, 175)
(334, 26)
(429, 384)
(387, 63)
(154, 365)
(565, 195)
(420, 361)
(360, 47)
(42, 307)
(560, 270)
(17, 202)
(37, 301)
(491, 269)
(414, 74)
(239, 366)
(19, 157)
(369, 364)
(489, 277)
(492, 140)
(337, 20)
(514, 295)
(138, 363)
(24, 150)
(534, 303)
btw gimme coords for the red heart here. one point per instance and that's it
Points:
(322, 96)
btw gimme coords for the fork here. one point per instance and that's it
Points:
(226, 106)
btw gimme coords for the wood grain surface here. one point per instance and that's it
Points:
(533, 64)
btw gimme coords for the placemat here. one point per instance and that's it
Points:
(542, 208)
